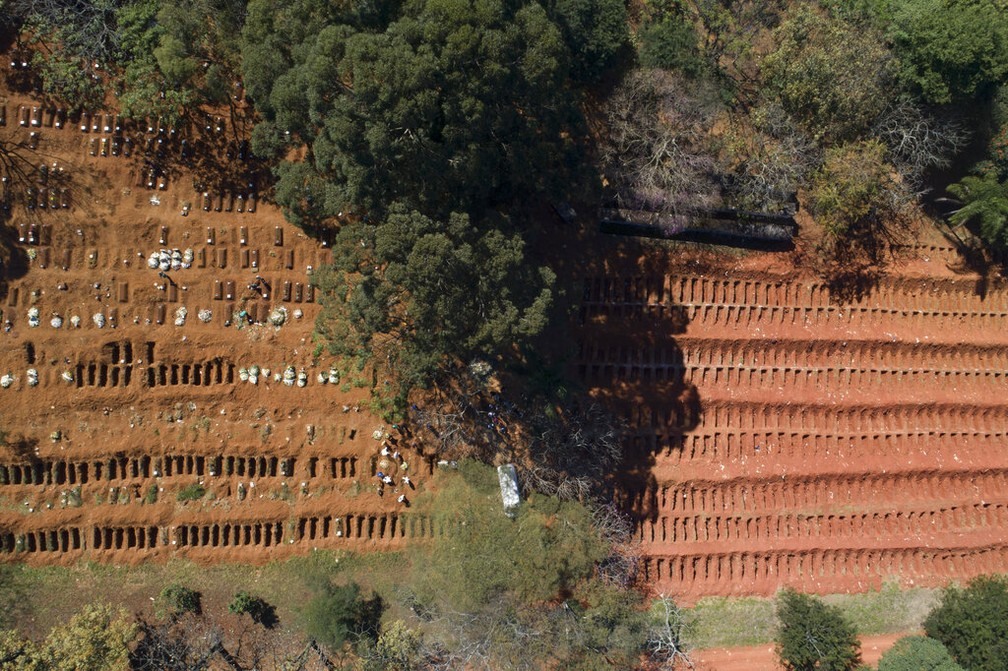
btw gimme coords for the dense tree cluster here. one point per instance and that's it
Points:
(159, 58)
(802, 86)
(413, 291)
(918, 653)
(425, 126)
(973, 624)
(95, 638)
(457, 105)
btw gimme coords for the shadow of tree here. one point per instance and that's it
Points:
(625, 354)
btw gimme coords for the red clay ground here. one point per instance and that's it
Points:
(782, 435)
(153, 407)
(786, 437)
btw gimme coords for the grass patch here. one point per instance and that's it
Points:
(721, 622)
(727, 622)
(890, 610)
(193, 492)
(33, 598)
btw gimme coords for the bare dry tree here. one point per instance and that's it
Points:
(777, 158)
(665, 641)
(185, 643)
(656, 154)
(918, 141)
(87, 28)
(620, 567)
(571, 452)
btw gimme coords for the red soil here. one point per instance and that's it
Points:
(155, 405)
(787, 437)
(782, 436)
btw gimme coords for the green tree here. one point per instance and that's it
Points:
(832, 76)
(397, 649)
(595, 31)
(918, 653)
(177, 55)
(491, 591)
(813, 636)
(338, 615)
(458, 105)
(950, 51)
(543, 554)
(97, 639)
(973, 624)
(985, 203)
(671, 44)
(255, 607)
(416, 292)
(854, 189)
(17, 653)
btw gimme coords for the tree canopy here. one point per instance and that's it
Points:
(456, 104)
(417, 291)
(339, 614)
(97, 638)
(918, 653)
(951, 51)
(973, 624)
(813, 636)
(984, 202)
(834, 77)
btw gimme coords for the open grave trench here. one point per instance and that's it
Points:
(242, 262)
(797, 439)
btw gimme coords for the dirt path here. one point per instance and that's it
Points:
(763, 657)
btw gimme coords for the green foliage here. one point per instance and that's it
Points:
(996, 161)
(852, 187)
(671, 44)
(176, 55)
(338, 615)
(951, 51)
(97, 639)
(524, 592)
(457, 104)
(615, 624)
(595, 31)
(985, 202)
(544, 553)
(255, 607)
(832, 76)
(813, 636)
(193, 492)
(973, 624)
(65, 79)
(415, 292)
(918, 653)
(397, 649)
(176, 599)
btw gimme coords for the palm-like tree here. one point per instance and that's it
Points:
(984, 200)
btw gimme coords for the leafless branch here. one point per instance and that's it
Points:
(657, 147)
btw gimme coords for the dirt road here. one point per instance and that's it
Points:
(763, 657)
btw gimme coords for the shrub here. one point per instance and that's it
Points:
(814, 636)
(255, 607)
(338, 615)
(973, 624)
(671, 44)
(918, 653)
(193, 492)
(176, 599)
